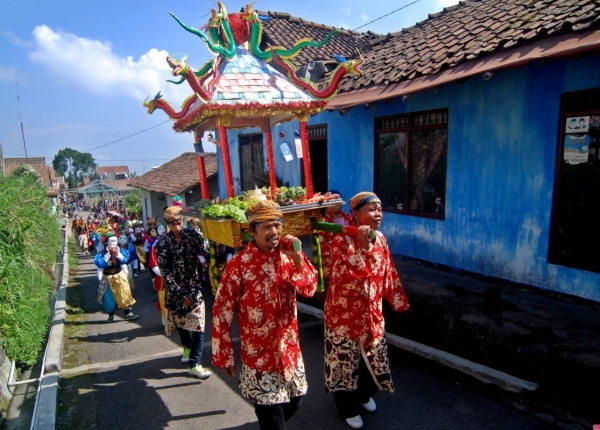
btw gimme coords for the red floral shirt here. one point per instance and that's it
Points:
(326, 239)
(262, 290)
(359, 281)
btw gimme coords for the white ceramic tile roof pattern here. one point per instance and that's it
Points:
(247, 78)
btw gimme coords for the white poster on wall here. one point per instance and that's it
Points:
(298, 143)
(576, 148)
(285, 150)
(578, 124)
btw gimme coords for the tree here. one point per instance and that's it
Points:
(74, 165)
(133, 201)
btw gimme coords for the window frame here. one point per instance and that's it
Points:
(568, 108)
(410, 129)
(250, 140)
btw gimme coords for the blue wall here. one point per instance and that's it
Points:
(501, 163)
(286, 171)
(500, 176)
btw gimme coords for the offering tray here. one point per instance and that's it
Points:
(297, 222)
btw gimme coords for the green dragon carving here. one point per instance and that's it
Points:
(214, 42)
(256, 35)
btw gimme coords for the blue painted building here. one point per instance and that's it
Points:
(477, 159)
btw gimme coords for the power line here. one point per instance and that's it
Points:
(140, 159)
(387, 14)
(127, 137)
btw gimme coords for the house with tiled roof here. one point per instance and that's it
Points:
(110, 185)
(112, 172)
(46, 172)
(178, 177)
(479, 129)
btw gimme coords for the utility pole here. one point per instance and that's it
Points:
(20, 119)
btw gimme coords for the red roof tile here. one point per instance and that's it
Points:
(472, 29)
(177, 175)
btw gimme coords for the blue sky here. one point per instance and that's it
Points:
(78, 72)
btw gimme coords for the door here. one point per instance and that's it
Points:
(317, 143)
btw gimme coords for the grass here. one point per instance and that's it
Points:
(30, 242)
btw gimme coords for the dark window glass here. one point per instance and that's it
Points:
(252, 162)
(574, 236)
(411, 153)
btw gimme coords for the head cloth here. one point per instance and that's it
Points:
(172, 214)
(264, 210)
(362, 198)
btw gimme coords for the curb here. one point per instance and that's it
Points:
(46, 408)
(478, 371)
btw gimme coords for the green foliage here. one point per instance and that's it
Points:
(133, 202)
(25, 170)
(233, 208)
(74, 165)
(30, 239)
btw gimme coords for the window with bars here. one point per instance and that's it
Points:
(411, 152)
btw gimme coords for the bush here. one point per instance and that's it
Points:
(30, 240)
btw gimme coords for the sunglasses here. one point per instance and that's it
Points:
(177, 221)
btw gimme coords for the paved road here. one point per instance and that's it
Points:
(127, 375)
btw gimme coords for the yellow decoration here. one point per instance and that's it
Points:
(224, 231)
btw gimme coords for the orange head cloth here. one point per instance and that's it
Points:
(362, 198)
(172, 214)
(264, 210)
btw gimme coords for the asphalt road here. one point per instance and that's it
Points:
(127, 375)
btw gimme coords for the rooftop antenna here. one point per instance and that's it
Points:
(20, 119)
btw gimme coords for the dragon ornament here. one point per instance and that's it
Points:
(256, 35)
(196, 80)
(329, 90)
(158, 103)
(220, 40)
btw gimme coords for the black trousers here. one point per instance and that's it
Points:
(349, 402)
(273, 417)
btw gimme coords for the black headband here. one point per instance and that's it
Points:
(365, 201)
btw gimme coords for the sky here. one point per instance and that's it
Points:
(75, 74)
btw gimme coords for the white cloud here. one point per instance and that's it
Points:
(7, 73)
(92, 66)
(446, 3)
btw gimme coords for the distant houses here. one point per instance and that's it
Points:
(179, 176)
(109, 186)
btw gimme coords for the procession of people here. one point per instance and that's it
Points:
(259, 286)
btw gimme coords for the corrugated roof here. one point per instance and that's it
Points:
(177, 175)
(112, 169)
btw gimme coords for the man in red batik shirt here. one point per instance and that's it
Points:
(260, 284)
(362, 274)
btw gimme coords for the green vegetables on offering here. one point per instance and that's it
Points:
(234, 208)
(284, 193)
